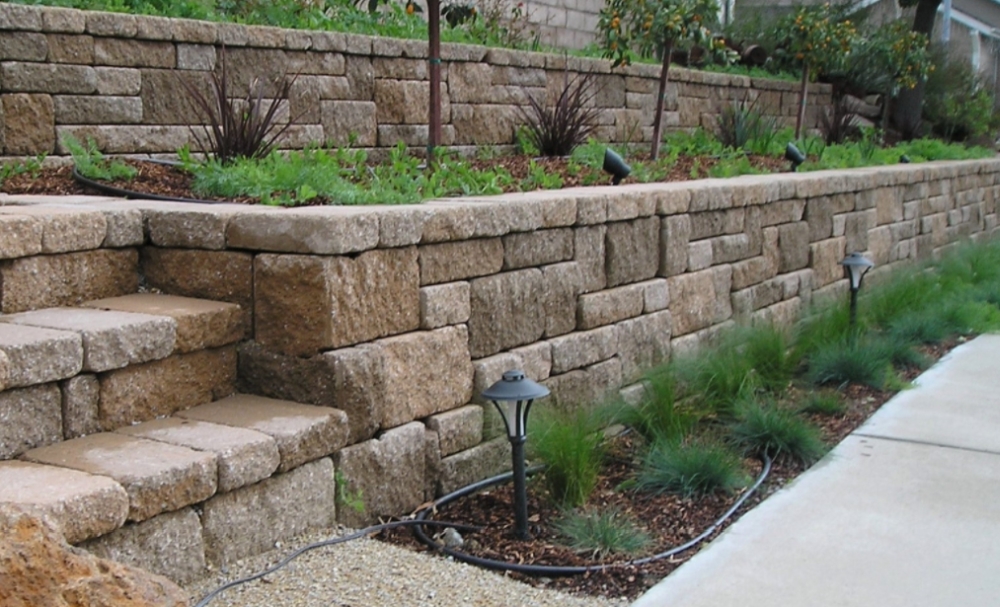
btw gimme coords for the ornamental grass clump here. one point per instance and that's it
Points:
(765, 429)
(661, 416)
(570, 445)
(602, 533)
(556, 130)
(690, 469)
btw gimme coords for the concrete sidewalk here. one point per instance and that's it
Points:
(904, 512)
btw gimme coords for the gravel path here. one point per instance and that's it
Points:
(369, 573)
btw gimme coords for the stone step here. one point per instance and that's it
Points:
(201, 323)
(30, 355)
(303, 433)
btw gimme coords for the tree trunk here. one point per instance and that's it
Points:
(803, 96)
(910, 103)
(660, 100)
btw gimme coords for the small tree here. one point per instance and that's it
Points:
(817, 41)
(646, 27)
(906, 58)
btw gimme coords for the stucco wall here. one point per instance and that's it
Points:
(118, 79)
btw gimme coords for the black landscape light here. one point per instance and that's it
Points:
(615, 166)
(512, 396)
(794, 155)
(856, 266)
(904, 159)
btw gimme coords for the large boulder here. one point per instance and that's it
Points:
(39, 569)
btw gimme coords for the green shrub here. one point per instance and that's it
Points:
(602, 533)
(689, 469)
(90, 163)
(660, 415)
(765, 429)
(860, 360)
(571, 447)
(744, 125)
(957, 104)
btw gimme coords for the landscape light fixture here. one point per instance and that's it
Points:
(615, 166)
(904, 159)
(512, 396)
(794, 155)
(856, 266)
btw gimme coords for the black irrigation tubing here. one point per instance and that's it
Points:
(554, 570)
(328, 542)
(123, 193)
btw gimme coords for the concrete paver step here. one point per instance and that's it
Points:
(244, 456)
(157, 477)
(111, 340)
(303, 433)
(201, 323)
(31, 355)
(83, 505)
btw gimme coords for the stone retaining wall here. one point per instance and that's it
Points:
(400, 316)
(117, 78)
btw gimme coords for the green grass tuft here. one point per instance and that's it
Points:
(602, 533)
(823, 403)
(689, 469)
(763, 429)
(570, 446)
(862, 360)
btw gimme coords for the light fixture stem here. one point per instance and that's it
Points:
(854, 307)
(520, 488)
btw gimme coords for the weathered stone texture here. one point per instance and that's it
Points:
(290, 503)
(642, 343)
(80, 398)
(826, 256)
(585, 388)
(321, 230)
(506, 311)
(38, 565)
(610, 306)
(632, 251)
(46, 281)
(34, 355)
(674, 237)
(29, 124)
(589, 253)
(530, 249)
(32, 417)
(170, 545)
(443, 305)
(458, 429)
(341, 119)
(700, 299)
(563, 283)
(793, 243)
(48, 78)
(387, 473)
(80, 505)
(20, 235)
(475, 464)
(411, 391)
(307, 304)
(142, 392)
(583, 348)
(451, 261)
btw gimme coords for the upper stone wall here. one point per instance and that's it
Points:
(118, 79)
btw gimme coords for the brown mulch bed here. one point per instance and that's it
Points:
(671, 520)
(167, 181)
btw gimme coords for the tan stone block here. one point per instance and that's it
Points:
(475, 464)
(200, 323)
(506, 311)
(125, 228)
(343, 119)
(443, 305)
(470, 82)
(111, 340)
(782, 314)
(80, 398)
(730, 248)
(563, 283)
(32, 418)
(458, 429)
(67, 230)
(448, 222)
(80, 505)
(655, 295)
(583, 348)
(529, 249)
(632, 251)
(325, 230)
(29, 123)
(610, 306)
(825, 258)
(450, 261)
(880, 243)
(584, 388)
(643, 342)
(45, 78)
(117, 81)
(716, 223)
(157, 477)
(758, 296)
(291, 503)
(699, 255)
(118, 52)
(302, 433)
(484, 124)
(675, 235)
(111, 24)
(215, 275)
(243, 456)
(589, 253)
(856, 228)
(700, 300)
(819, 216)
(20, 236)
(307, 304)
(387, 473)
(80, 109)
(793, 244)
(56, 19)
(143, 392)
(412, 393)
(35, 355)
(170, 545)
(396, 101)
(23, 46)
(66, 279)
(188, 226)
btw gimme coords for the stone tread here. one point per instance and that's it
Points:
(303, 433)
(111, 339)
(244, 456)
(157, 477)
(82, 506)
(201, 323)
(35, 356)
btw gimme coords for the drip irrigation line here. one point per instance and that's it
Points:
(111, 190)
(327, 542)
(555, 570)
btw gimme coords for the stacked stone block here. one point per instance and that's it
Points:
(122, 80)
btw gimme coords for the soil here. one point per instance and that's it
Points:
(670, 519)
(167, 181)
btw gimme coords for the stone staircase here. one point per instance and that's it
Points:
(120, 421)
